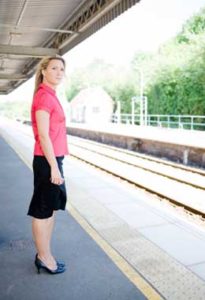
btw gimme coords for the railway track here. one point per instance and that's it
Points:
(181, 185)
(192, 176)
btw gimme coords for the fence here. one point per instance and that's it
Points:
(168, 121)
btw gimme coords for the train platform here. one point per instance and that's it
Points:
(182, 137)
(178, 145)
(90, 274)
(118, 242)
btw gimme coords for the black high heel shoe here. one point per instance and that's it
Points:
(40, 265)
(59, 263)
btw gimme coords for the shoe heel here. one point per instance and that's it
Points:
(37, 266)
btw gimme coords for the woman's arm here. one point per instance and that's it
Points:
(42, 119)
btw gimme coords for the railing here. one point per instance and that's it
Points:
(168, 121)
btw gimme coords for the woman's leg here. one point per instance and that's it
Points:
(51, 226)
(42, 233)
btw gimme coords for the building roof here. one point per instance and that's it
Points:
(31, 29)
(90, 96)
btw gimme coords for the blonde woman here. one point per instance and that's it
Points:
(48, 123)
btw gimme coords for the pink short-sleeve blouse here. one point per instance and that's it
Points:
(45, 99)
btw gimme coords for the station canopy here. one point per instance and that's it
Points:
(32, 29)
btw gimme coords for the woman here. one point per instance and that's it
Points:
(48, 123)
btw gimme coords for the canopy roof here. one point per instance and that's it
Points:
(31, 29)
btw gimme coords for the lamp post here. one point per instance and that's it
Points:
(141, 96)
(133, 109)
(118, 112)
(142, 100)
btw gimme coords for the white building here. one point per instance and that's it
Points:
(91, 105)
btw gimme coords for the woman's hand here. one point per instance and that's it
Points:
(56, 177)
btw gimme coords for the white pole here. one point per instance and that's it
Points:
(118, 112)
(145, 110)
(141, 97)
(133, 110)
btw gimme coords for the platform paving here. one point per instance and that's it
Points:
(90, 272)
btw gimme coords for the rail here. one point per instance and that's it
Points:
(168, 121)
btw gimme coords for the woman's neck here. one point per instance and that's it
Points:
(53, 87)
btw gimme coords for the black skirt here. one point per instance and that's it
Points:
(47, 196)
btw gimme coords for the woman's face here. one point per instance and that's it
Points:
(54, 73)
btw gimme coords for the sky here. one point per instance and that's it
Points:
(144, 27)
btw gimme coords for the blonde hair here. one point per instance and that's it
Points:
(43, 64)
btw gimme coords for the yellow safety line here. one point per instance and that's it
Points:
(120, 262)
